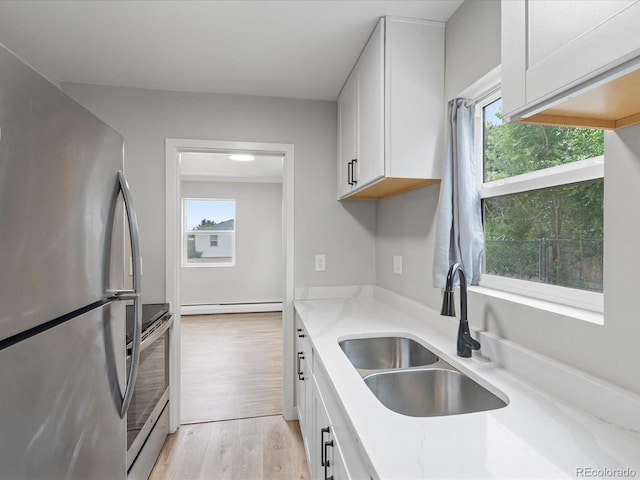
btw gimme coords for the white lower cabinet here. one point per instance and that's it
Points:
(304, 388)
(332, 448)
(326, 462)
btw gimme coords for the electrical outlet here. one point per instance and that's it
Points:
(397, 264)
(320, 262)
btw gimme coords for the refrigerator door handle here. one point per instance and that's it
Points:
(134, 294)
(134, 235)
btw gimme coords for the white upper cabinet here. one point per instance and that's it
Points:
(391, 111)
(361, 119)
(571, 62)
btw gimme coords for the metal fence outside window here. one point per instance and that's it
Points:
(567, 263)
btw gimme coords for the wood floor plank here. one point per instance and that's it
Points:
(247, 458)
(183, 453)
(219, 459)
(278, 441)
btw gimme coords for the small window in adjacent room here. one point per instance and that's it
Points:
(542, 205)
(201, 248)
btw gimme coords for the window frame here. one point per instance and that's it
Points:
(185, 234)
(570, 173)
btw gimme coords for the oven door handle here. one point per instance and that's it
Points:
(156, 334)
(153, 336)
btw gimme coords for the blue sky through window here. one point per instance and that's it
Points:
(216, 210)
(492, 111)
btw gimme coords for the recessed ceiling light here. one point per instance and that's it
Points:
(241, 157)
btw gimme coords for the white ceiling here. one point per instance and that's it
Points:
(212, 166)
(293, 48)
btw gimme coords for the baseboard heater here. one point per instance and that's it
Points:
(208, 309)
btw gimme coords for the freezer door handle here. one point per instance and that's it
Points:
(133, 232)
(122, 295)
(134, 294)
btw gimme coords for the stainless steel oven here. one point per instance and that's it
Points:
(148, 415)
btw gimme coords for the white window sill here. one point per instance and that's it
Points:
(208, 265)
(544, 305)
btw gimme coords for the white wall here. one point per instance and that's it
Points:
(257, 274)
(472, 42)
(405, 227)
(345, 233)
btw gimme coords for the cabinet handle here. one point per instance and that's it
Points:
(300, 334)
(300, 372)
(354, 171)
(322, 442)
(327, 463)
(349, 172)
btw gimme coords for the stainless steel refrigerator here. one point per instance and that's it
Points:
(64, 212)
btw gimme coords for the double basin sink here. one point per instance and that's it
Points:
(411, 380)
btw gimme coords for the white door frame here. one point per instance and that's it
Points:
(173, 147)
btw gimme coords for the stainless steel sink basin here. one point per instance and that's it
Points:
(431, 392)
(386, 352)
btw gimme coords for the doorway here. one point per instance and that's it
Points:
(175, 253)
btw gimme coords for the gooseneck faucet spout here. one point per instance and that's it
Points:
(465, 343)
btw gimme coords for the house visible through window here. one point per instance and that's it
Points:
(542, 203)
(200, 246)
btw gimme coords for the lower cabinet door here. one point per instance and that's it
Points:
(327, 462)
(339, 466)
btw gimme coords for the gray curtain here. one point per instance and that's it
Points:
(459, 234)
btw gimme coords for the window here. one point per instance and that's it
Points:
(542, 204)
(201, 248)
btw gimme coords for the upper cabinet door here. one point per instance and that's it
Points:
(554, 51)
(414, 94)
(370, 165)
(347, 136)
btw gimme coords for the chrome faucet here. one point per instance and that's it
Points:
(465, 343)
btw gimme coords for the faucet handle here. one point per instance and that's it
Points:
(465, 342)
(469, 340)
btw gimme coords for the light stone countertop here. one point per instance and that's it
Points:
(536, 435)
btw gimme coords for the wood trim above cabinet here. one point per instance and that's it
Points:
(612, 105)
(587, 78)
(387, 187)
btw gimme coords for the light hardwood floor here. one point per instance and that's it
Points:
(231, 366)
(266, 448)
